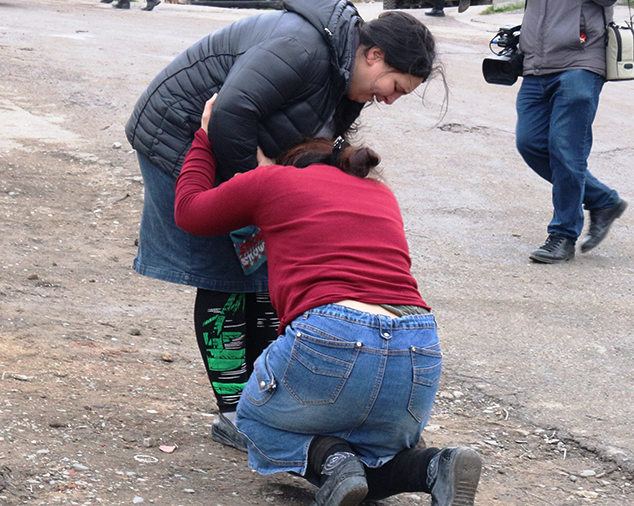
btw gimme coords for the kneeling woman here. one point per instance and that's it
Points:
(342, 396)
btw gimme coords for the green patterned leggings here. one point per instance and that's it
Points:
(232, 330)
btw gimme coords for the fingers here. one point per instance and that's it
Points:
(263, 159)
(204, 121)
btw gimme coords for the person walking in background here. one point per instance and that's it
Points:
(437, 10)
(342, 396)
(439, 6)
(564, 71)
(281, 77)
(125, 4)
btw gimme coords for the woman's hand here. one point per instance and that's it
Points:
(263, 159)
(204, 121)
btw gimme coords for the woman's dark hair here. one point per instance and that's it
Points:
(358, 162)
(408, 44)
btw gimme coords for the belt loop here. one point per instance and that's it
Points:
(385, 326)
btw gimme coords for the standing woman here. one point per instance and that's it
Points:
(280, 77)
(341, 397)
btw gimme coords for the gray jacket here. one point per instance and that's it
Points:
(560, 35)
(280, 77)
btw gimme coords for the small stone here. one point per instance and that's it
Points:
(572, 477)
(80, 467)
(458, 394)
(116, 145)
(166, 357)
(137, 499)
(188, 490)
(135, 332)
(445, 395)
(587, 473)
(20, 377)
(33, 277)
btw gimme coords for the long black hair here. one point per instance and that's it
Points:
(408, 44)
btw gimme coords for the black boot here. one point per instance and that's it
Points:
(151, 4)
(600, 222)
(557, 248)
(463, 5)
(122, 4)
(453, 476)
(106, 1)
(439, 13)
(345, 483)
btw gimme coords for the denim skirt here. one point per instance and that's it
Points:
(168, 253)
(365, 378)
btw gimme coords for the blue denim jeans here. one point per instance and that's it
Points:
(168, 253)
(368, 379)
(554, 136)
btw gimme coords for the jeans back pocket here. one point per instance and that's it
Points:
(318, 368)
(426, 369)
(261, 384)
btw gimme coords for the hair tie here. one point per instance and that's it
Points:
(337, 148)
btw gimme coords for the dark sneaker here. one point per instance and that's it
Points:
(439, 13)
(224, 431)
(346, 486)
(557, 248)
(122, 4)
(463, 5)
(453, 476)
(600, 222)
(151, 4)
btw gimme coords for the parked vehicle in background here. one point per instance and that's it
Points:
(417, 4)
(245, 4)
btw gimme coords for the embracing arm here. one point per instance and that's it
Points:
(200, 208)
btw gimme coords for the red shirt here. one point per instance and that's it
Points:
(329, 236)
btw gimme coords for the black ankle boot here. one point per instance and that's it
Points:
(439, 13)
(122, 4)
(345, 483)
(453, 476)
(151, 4)
(600, 222)
(557, 248)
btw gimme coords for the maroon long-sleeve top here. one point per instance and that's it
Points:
(329, 236)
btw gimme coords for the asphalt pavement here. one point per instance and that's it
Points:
(553, 342)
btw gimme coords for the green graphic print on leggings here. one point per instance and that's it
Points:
(224, 339)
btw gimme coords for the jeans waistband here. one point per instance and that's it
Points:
(426, 320)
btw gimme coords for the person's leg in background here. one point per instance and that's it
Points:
(533, 137)
(438, 9)
(232, 329)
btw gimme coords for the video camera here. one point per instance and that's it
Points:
(508, 63)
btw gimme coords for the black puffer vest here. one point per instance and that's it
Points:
(280, 76)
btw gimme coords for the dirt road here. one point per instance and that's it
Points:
(99, 367)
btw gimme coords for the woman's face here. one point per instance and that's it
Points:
(373, 79)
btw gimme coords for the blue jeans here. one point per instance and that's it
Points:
(554, 136)
(368, 379)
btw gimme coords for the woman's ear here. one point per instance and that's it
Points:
(374, 55)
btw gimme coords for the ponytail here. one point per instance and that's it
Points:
(358, 162)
